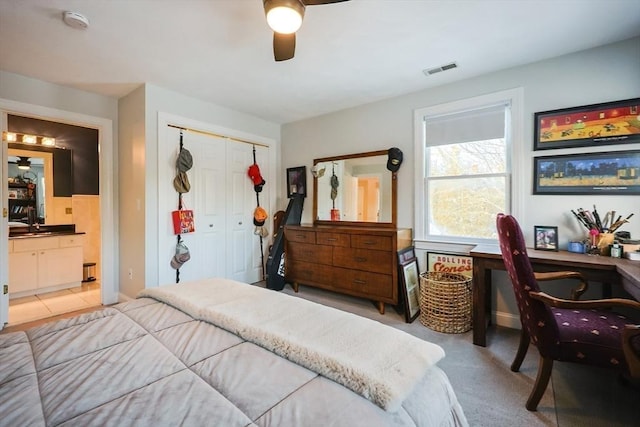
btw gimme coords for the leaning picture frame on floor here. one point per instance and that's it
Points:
(409, 280)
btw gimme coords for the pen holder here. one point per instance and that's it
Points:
(604, 241)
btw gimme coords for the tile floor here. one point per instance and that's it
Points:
(35, 307)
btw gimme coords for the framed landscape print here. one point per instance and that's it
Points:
(593, 125)
(409, 278)
(616, 172)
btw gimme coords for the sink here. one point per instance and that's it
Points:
(32, 234)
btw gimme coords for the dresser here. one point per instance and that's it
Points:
(358, 261)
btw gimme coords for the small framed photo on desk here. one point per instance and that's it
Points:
(546, 238)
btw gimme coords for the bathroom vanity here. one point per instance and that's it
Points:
(44, 261)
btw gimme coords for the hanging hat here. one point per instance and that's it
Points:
(184, 161)
(256, 177)
(317, 171)
(182, 255)
(181, 183)
(334, 186)
(395, 159)
(259, 216)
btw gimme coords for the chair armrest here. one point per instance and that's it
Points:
(595, 303)
(631, 354)
(558, 275)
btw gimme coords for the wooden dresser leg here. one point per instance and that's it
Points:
(380, 307)
(294, 285)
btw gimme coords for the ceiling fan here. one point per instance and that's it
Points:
(285, 18)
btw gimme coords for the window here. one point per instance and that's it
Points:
(465, 178)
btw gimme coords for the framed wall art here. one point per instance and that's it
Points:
(593, 125)
(297, 181)
(450, 263)
(546, 237)
(409, 276)
(589, 173)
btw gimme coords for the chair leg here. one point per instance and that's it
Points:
(522, 350)
(542, 380)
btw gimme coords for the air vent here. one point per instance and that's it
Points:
(440, 69)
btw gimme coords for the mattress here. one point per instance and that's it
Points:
(146, 362)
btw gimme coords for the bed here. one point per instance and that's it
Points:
(222, 353)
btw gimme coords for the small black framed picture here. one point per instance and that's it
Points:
(546, 237)
(409, 279)
(297, 181)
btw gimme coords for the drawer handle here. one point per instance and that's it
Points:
(369, 243)
(360, 282)
(360, 259)
(332, 240)
(301, 236)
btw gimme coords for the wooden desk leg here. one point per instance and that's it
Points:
(481, 301)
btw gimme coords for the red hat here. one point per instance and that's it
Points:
(256, 177)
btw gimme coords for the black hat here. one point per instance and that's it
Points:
(395, 159)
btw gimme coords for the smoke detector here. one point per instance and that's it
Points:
(75, 20)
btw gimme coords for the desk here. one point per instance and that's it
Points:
(612, 271)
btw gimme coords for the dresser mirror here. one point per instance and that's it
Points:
(354, 190)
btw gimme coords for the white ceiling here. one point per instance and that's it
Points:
(347, 54)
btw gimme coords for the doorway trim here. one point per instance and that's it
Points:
(108, 194)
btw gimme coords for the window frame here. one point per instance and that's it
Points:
(515, 182)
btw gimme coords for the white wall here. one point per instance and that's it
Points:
(602, 74)
(139, 163)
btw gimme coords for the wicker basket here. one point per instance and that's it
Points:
(445, 302)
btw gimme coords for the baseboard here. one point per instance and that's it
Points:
(508, 320)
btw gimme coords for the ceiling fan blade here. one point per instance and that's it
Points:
(317, 2)
(284, 46)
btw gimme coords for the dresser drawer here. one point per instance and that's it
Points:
(318, 254)
(380, 243)
(364, 283)
(363, 259)
(333, 239)
(300, 236)
(305, 272)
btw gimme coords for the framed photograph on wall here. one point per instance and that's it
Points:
(616, 172)
(409, 279)
(593, 125)
(450, 263)
(297, 181)
(546, 238)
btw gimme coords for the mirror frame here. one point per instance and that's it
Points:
(394, 194)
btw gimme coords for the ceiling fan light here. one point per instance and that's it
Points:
(284, 16)
(23, 163)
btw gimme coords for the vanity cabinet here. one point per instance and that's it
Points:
(358, 261)
(44, 264)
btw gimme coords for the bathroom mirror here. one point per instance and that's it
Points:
(50, 170)
(355, 190)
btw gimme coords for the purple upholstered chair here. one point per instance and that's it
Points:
(565, 330)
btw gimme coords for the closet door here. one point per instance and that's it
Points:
(223, 200)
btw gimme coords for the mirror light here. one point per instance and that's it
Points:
(10, 137)
(284, 16)
(29, 139)
(49, 142)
